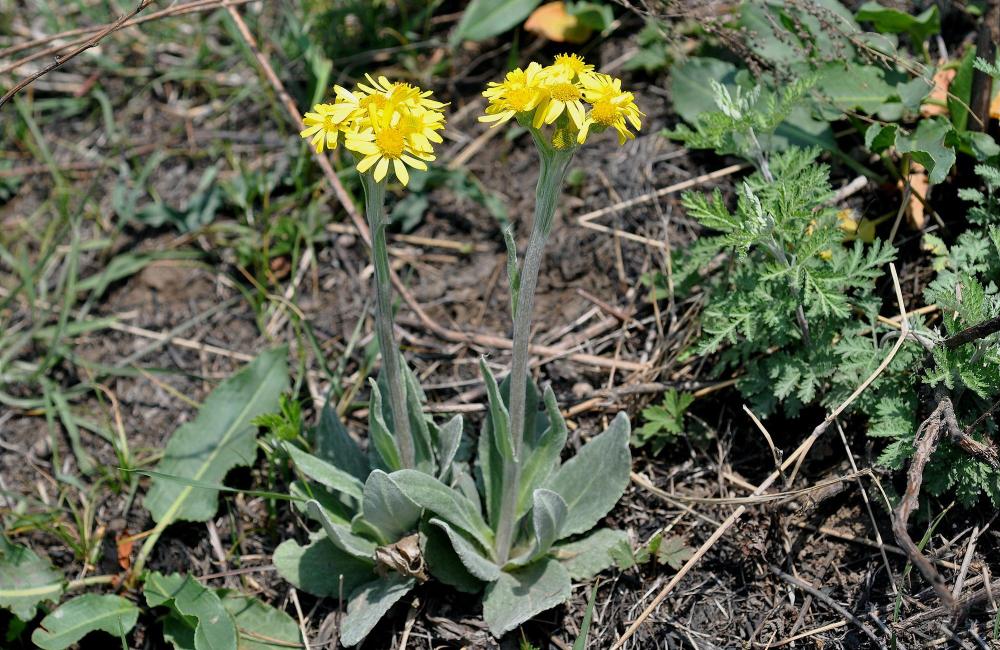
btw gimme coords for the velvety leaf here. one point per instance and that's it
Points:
(221, 437)
(443, 562)
(334, 445)
(369, 603)
(325, 473)
(519, 595)
(471, 557)
(930, 146)
(541, 452)
(82, 615)
(381, 439)
(318, 567)
(449, 439)
(260, 626)
(592, 481)
(586, 557)
(894, 21)
(547, 517)
(451, 505)
(485, 18)
(26, 580)
(499, 416)
(341, 535)
(214, 626)
(387, 508)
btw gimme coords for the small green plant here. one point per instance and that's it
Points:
(664, 421)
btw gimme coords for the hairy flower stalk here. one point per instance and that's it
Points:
(554, 165)
(389, 127)
(560, 104)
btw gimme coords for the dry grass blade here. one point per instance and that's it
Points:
(795, 457)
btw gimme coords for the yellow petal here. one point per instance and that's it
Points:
(401, 173)
(381, 168)
(414, 162)
(367, 162)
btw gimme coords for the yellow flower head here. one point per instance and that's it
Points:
(568, 94)
(610, 107)
(387, 124)
(519, 92)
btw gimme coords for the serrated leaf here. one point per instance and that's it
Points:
(82, 615)
(451, 505)
(214, 628)
(318, 567)
(673, 552)
(369, 603)
(325, 473)
(26, 580)
(592, 481)
(471, 557)
(221, 437)
(387, 508)
(519, 595)
(586, 557)
(260, 626)
(484, 18)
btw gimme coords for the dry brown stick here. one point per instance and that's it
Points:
(969, 334)
(60, 60)
(925, 443)
(347, 202)
(795, 457)
(828, 601)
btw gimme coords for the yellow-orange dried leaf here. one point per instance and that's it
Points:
(942, 81)
(919, 184)
(553, 22)
(995, 105)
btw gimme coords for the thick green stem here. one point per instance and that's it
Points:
(375, 210)
(554, 164)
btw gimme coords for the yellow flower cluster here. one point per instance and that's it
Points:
(383, 123)
(544, 94)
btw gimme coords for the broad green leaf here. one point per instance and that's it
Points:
(451, 505)
(855, 87)
(592, 481)
(220, 438)
(381, 439)
(930, 145)
(26, 580)
(319, 567)
(387, 508)
(519, 595)
(341, 535)
(586, 557)
(893, 21)
(214, 628)
(689, 88)
(369, 603)
(960, 92)
(443, 562)
(499, 416)
(541, 452)
(260, 626)
(485, 18)
(471, 557)
(419, 426)
(82, 615)
(879, 137)
(548, 516)
(334, 445)
(325, 473)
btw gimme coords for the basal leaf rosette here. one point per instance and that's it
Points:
(387, 125)
(568, 95)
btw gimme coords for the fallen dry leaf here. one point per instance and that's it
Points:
(553, 22)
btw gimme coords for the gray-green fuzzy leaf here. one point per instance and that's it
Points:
(220, 438)
(541, 453)
(325, 473)
(449, 439)
(260, 626)
(449, 504)
(318, 567)
(548, 516)
(592, 481)
(443, 562)
(499, 416)
(586, 557)
(214, 626)
(82, 615)
(382, 440)
(387, 508)
(368, 605)
(519, 595)
(26, 580)
(341, 535)
(471, 557)
(334, 445)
